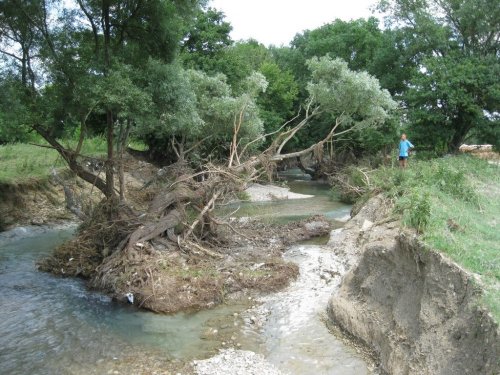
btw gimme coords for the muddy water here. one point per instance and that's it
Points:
(50, 325)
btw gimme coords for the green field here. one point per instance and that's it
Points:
(454, 203)
(20, 162)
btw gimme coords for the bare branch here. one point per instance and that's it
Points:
(278, 157)
(11, 55)
(268, 134)
(207, 207)
(294, 130)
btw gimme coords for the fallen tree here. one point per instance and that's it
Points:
(118, 242)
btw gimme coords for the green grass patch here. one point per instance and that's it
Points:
(20, 162)
(454, 203)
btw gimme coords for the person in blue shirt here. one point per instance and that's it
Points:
(404, 147)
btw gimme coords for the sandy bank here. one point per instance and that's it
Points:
(263, 193)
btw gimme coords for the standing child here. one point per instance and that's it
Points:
(404, 146)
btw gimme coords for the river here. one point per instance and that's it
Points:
(50, 325)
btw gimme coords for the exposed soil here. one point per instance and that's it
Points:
(33, 203)
(41, 202)
(417, 310)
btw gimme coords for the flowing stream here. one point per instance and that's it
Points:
(50, 325)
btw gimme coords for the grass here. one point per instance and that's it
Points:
(21, 162)
(454, 203)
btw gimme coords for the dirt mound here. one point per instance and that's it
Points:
(416, 309)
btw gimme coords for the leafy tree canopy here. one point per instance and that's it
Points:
(453, 95)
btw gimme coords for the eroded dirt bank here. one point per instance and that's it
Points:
(416, 309)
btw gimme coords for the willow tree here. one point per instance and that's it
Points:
(350, 100)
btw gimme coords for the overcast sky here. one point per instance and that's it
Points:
(277, 21)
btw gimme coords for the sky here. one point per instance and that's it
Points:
(277, 21)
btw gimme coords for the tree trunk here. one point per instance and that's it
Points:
(110, 179)
(461, 126)
(110, 175)
(71, 158)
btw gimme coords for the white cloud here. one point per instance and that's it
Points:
(277, 21)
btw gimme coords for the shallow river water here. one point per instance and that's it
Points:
(50, 325)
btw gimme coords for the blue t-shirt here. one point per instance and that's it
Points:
(404, 146)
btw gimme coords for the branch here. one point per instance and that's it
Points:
(234, 144)
(83, 126)
(268, 134)
(203, 250)
(278, 157)
(43, 146)
(294, 130)
(174, 147)
(207, 207)
(230, 227)
(70, 157)
(11, 55)
(92, 24)
(196, 144)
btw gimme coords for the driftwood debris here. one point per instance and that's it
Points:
(181, 213)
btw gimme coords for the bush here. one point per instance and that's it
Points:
(349, 184)
(416, 209)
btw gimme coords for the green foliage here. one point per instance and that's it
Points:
(192, 106)
(353, 41)
(277, 101)
(355, 98)
(454, 94)
(173, 111)
(415, 207)
(350, 177)
(445, 176)
(14, 115)
(204, 46)
(241, 59)
(81, 66)
(220, 110)
(121, 95)
(362, 44)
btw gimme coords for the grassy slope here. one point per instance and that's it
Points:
(24, 162)
(455, 204)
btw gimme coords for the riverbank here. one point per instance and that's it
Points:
(453, 203)
(422, 292)
(416, 309)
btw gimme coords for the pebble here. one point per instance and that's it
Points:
(231, 361)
